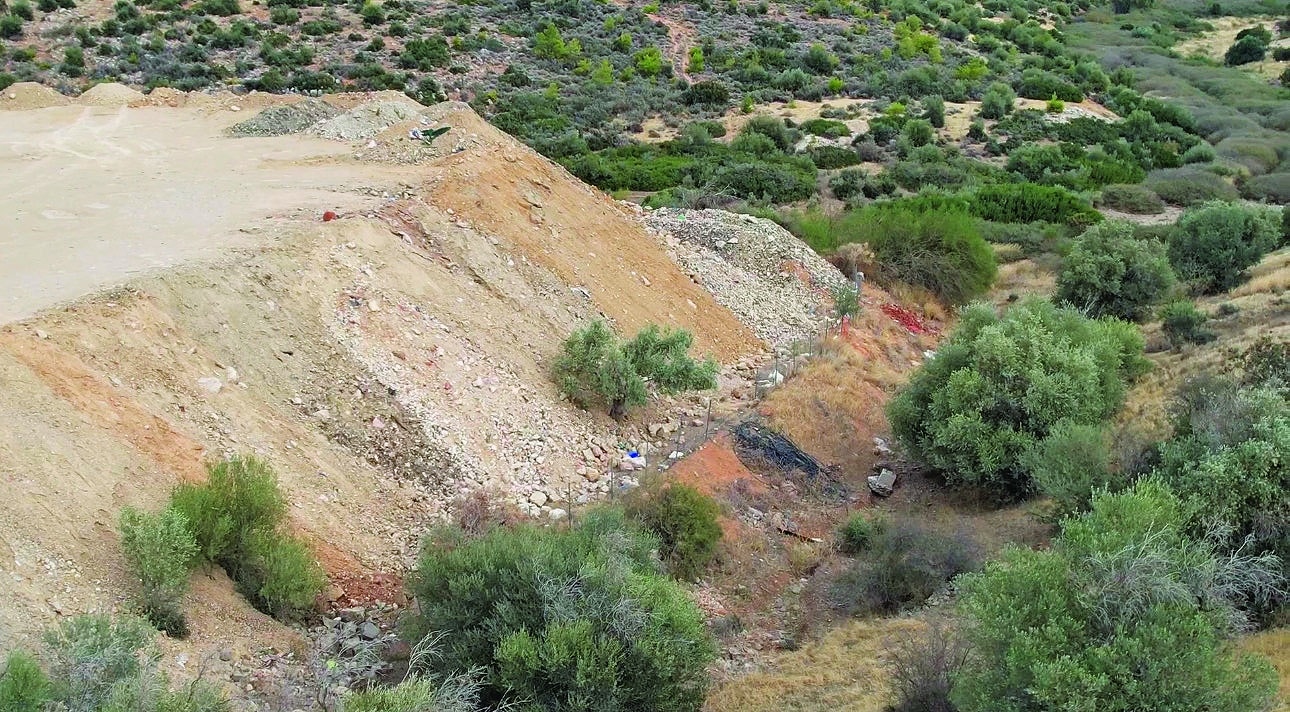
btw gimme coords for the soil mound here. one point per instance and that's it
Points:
(110, 94)
(30, 95)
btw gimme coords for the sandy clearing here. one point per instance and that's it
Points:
(98, 195)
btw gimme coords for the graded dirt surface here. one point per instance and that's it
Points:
(97, 195)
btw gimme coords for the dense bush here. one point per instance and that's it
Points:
(1189, 186)
(1026, 202)
(830, 157)
(1072, 464)
(1226, 461)
(1000, 384)
(1132, 198)
(1215, 243)
(1124, 612)
(593, 367)
(23, 685)
(576, 619)
(161, 550)
(770, 182)
(1111, 272)
(1245, 50)
(96, 663)
(903, 565)
(1271, 188)
(1182, 323)
(685, 522)
(238, 518)
(997, 101)
(942, 252)
(459, 693)
(858, 533)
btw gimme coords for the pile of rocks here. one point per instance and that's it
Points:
(365, 120)
(771, 280)
(285, 119)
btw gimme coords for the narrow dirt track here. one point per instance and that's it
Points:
(95, 196)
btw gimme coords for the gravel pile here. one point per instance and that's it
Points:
(365, 120)
(285, 119)
(752, 267)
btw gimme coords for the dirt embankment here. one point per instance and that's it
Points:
(383, 362)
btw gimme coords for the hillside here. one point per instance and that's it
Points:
(385, 362)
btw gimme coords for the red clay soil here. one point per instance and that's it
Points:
(714, 469)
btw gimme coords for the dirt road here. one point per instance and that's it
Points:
(95, 196)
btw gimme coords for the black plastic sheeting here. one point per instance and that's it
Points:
(754, 441)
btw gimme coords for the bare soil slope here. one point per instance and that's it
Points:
(383, 363)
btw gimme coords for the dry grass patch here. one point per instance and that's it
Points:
(1271, 276)
(1020, 278)
(842, 671)
(1275, 645)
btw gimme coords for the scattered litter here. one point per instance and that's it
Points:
(883, 483)
(329, 215)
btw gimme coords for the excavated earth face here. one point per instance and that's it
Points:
(173, 295)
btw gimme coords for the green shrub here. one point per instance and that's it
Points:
(858, 533)
(10, 27)
(1227, 463)
(771, 182)
(23, 685)
(903, 565)
(161, 551)
(1245, 50)
(1267, 363)
(281, 573)
(1189, 186)
(1124, 612)
(1215, 243)
(997, 101)
(90, 654)
(1257, 155)
(1271, 188)
(1200, 153)
(828, 128)
(459, 693)
(1000, 384)
(830, 157)
(1132, 198)
(564, 619)
(685, 522)
(847, 184)
(942, 252)
(917, 132)
(1111, 272)
(772, 128)
(237, 518)
(1183, 323)
(1026, 202)
(707, 92)
(593, 367)
(934, 110)
(1072, 464)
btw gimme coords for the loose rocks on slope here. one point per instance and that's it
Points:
(286, 119)
(771, 280)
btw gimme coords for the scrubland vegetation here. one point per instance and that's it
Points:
(1163, 551)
